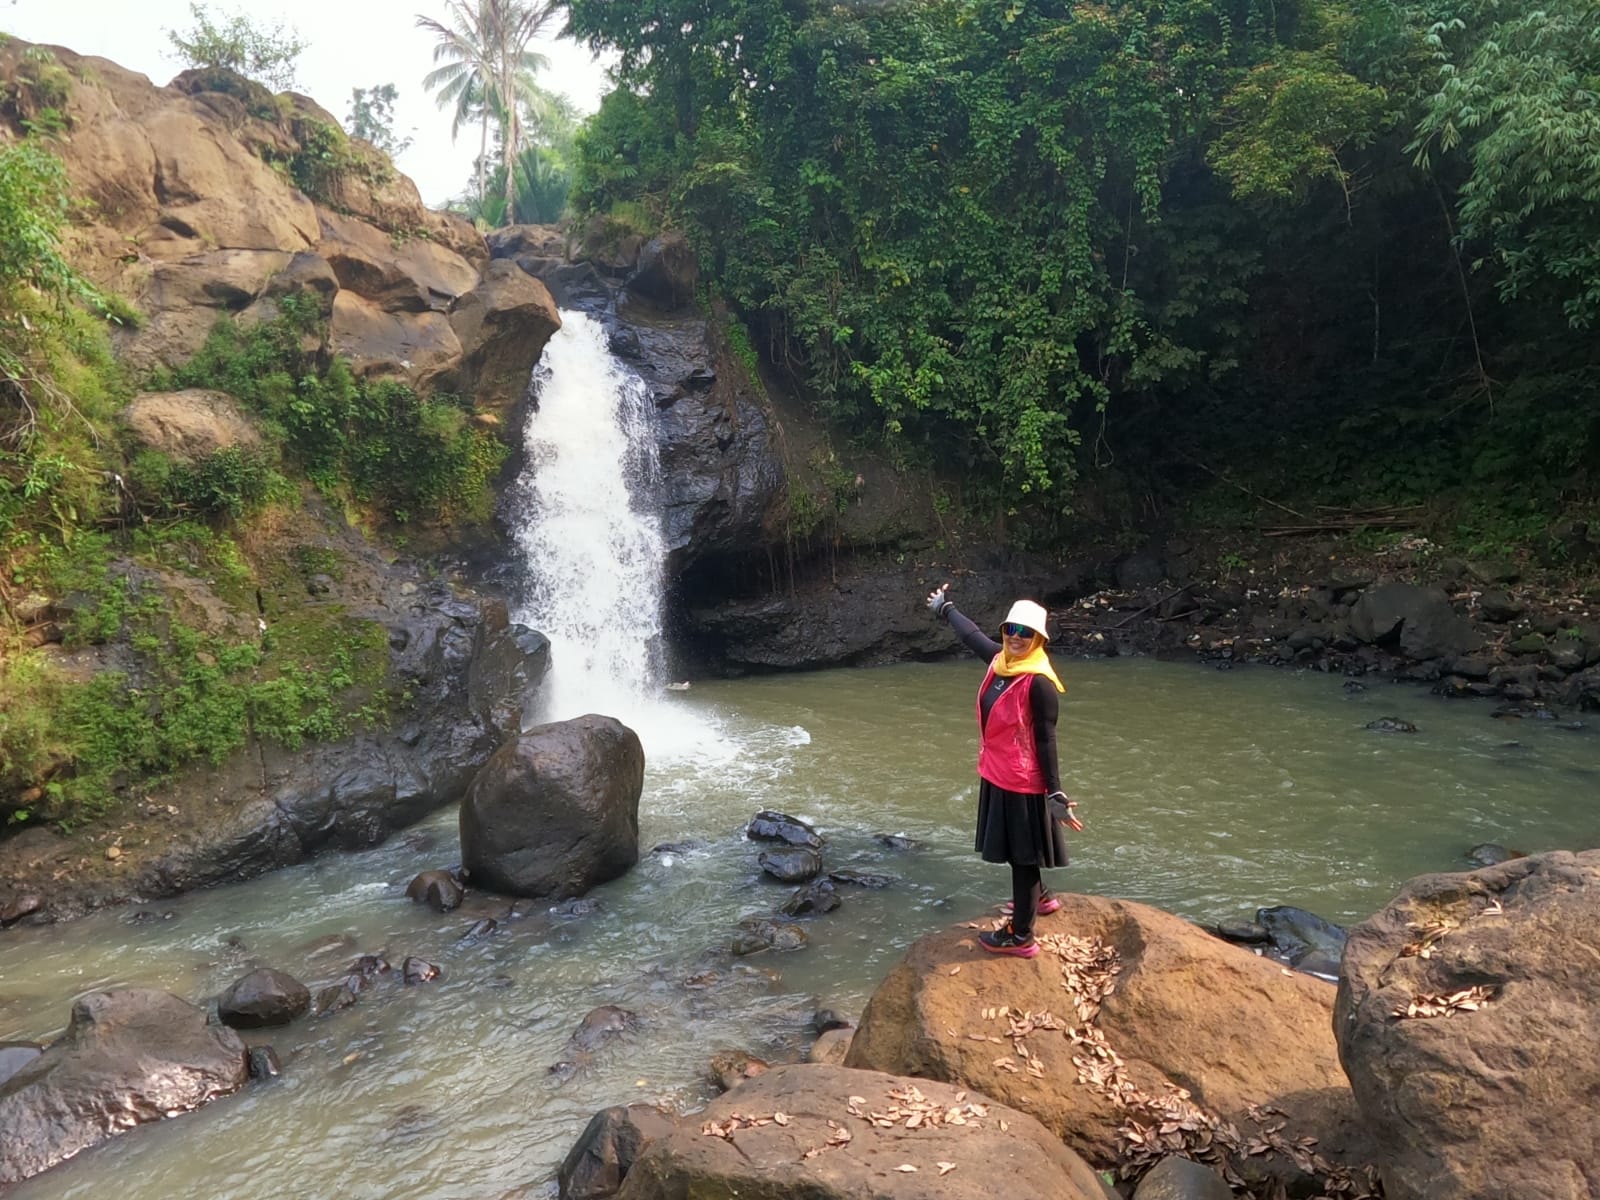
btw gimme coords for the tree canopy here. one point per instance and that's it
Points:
(1025, 239)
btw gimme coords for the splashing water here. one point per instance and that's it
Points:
(589, 533)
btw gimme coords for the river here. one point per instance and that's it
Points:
(1207, 793)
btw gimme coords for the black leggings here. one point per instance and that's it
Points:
(1026, 889)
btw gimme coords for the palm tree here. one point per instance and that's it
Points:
(486, 68)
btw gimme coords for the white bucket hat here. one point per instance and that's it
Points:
(1026, 612)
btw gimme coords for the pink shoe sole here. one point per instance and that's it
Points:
(1028, 951)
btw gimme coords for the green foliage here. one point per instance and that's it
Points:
(224, 485)
(1518, 93)
(375, 442)
(372, 117)
(33, 211)
(233, 42)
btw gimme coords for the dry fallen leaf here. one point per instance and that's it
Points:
(956, 970)
(779, 1118)
(945, 1168)
(907, 1167)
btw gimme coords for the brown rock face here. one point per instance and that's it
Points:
(1187, 1011)
(193, 214)
(1497, 1100)
(504, 318)
(127, 1058)
(827, 1147)
(190, 424)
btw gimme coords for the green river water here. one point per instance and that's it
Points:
(1207, 793)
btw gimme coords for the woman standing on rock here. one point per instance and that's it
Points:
(1021, 807)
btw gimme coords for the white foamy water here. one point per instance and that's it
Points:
(592, 547)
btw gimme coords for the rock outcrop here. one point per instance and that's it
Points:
(555, 811)
(1230, 1029)
(210, 199)
(127, 1058)
(1476, 1064)
(806, 1131)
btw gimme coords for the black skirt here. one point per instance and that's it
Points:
(1014, 827)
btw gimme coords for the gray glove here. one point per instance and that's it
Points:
(938, 601)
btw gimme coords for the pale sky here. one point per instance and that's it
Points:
(352, 43)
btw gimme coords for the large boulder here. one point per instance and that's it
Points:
(555, 811)
(1468, 1026)
(812, 1132)
(503, 324)
(127, 1058)
(1419, 620)
(189, 424)
(1102, 1065)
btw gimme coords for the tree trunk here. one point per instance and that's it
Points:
(483, 153)
(508, 144)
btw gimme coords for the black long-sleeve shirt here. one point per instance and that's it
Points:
(1041, 695)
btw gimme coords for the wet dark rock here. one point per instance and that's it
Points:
(769, 826)
(128, 1057)
(578, 906)
(820, 897)
(1245, 933)
(896, 841)
(668, 272)
(264, 1063)
(598, 1027)
(759, 933)
(16, 1055)
(1418, 620)
(263, 998)
(688, 846)
(339, 996)
(1390, 725)
(21, 906)
(417, 970)
(1299, 936)
(790, 864)
(478, 930)
(1354, 686)
(1178, 1178)
(437, 889)
(1498, 607)
(370, 966)
(1491, 854)
(556, 810)
(1528, 643)
(729, 1068)
(825, 1019)
(865, 879)
(607, 1148)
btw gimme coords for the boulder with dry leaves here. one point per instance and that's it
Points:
(1135, 1035)
(830, 1133)
(1468, 1025)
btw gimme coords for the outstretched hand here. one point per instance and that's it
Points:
(939, 600)
(1068, 806)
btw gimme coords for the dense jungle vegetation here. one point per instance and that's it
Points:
(1090, 256)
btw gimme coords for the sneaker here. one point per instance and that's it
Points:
(1005, 941)
(1048, 905)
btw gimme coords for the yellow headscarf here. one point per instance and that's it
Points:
(1034, 662)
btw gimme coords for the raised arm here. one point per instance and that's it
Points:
(973, 638)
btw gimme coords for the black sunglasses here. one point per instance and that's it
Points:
(1011, 630)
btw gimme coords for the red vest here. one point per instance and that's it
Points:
(1007, 755)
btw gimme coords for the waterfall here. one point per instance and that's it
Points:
(588, 531)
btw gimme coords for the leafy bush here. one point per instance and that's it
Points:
(235, 43)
